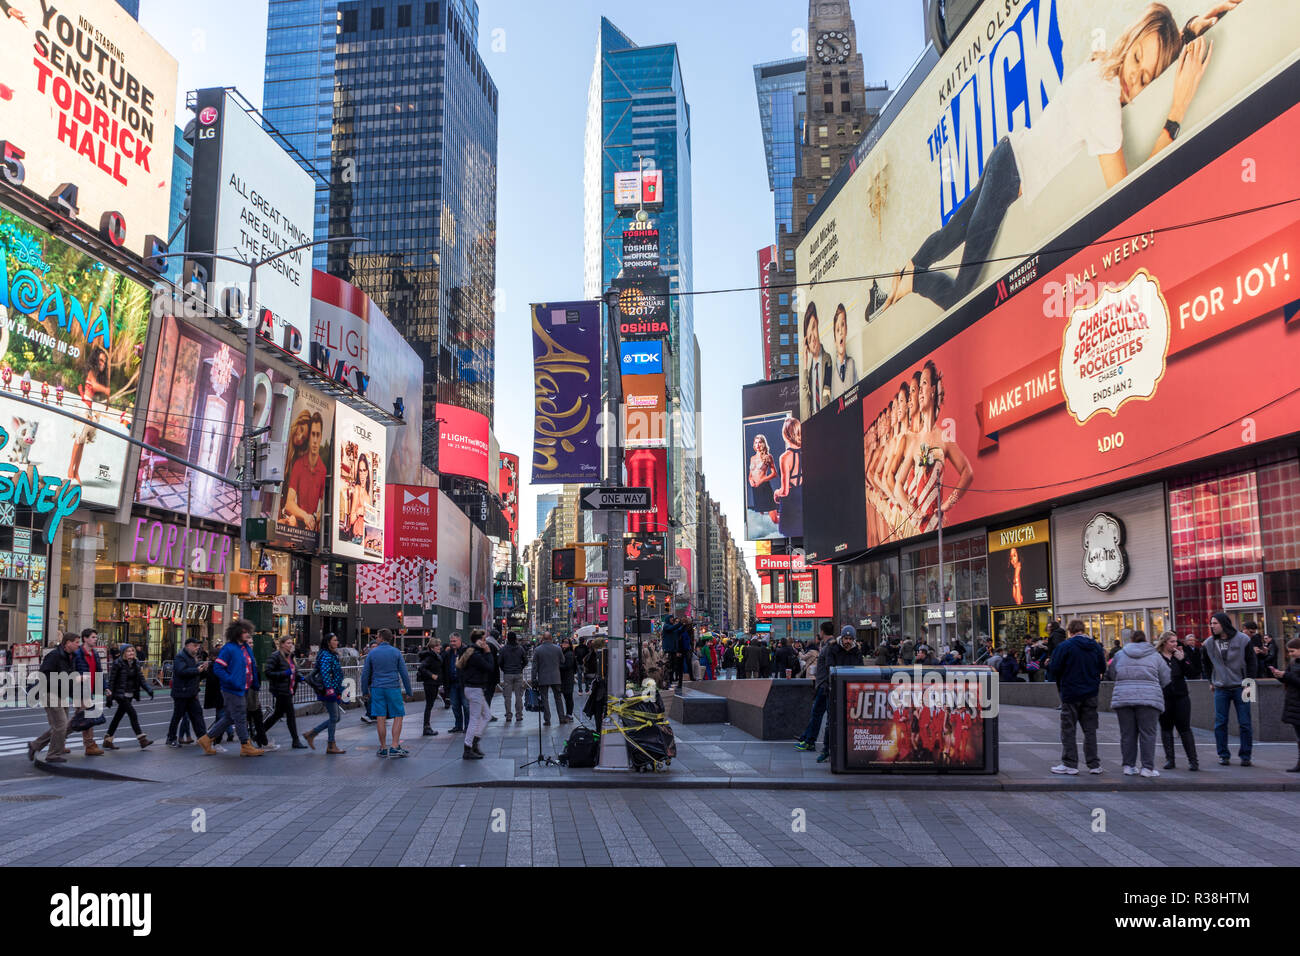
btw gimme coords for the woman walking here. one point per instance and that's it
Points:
(568, 666)
(1291, 703)
(1140, 676)
(429, 674)
(125, 681)
(1177, 714)
(329, 693)
(282, 675)
(479, 669)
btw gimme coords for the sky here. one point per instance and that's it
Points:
(540, 55)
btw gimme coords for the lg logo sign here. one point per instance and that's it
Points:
(642, 358)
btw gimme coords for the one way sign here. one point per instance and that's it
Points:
(615, 499)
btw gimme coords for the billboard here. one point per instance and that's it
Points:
(462, 442)
(566, 390)
(912, 725)
(1097, 372)
(640, 251)
(638, 189)
(508, 483)
(251, 199)
(644, 554)
(766, 257)
(411, 526)
(1036, 112)
(773, 452)
(297, 507)
(72, 334)
(641, 358)
(1019, 566)
(648, 468)
(643, 308)
(453, 577)
(812, 588)
(196, 411)
(95, 107)
(359, 478)
(354, 343)
(645, 411)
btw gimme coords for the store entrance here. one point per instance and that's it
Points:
(1013, 629)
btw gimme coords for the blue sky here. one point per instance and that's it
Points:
(541, 55)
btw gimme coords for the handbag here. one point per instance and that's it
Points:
(314, 680)
(532, 700)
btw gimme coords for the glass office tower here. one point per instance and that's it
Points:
(637, 112)
(393, 103)
(781, 106)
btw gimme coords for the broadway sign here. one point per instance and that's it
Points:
(566, 392)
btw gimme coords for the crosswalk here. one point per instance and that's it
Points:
(11, 746)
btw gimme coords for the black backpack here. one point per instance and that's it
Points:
(581, 750)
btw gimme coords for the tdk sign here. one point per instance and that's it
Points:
(642, 358)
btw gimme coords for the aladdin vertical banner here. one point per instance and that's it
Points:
(566, 392)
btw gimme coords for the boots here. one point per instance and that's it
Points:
(475, 747)
(469, 754)
(429, 731)
(1189, 747)
(310, 737)
(143, 740)
(109, 745)
(334, 748)
(246, 749)
(1167, 739)
(206, 743)
(93, 749)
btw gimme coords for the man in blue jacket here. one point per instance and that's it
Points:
(236, 671)
(1077, 666)
(384, 678)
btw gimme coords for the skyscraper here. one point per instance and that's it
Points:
(638, 117)
(130, 6)
(394, 102)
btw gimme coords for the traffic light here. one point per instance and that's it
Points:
(568, 564)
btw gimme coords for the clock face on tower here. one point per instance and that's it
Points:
(834, 47)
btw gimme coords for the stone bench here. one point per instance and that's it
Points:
(696, 707)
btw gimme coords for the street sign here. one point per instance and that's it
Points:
(676, 574)
(629, 579)
(615, 499)
(597, 577)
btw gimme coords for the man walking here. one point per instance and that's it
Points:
(808, 739)
(1077, 666)
(57, 669)
(237, 672)
(512, 661)
(186, 673)
(455, 683)
(546, 677)
(384, 677)
(90, 665)
(1232, 662)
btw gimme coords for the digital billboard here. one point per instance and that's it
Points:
(1019, 572)
(508, 488)
(566, 392)
(72, 334)
(462, 442)
(359, 485)
(1096, 372)
(640, 251)
(773, 450)
(1025, 123)
(811, 587)
(89, 98)
(252, 200)
(196, 411)
(648, 468)
(893, 726)
(766, 256)
(645, 411)
(644, 554)
(643, 308)
(641, 358)
(297, 506)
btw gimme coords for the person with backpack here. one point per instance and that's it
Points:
(187, 671)
(282, 675)
(429, 674)
(237, 671)
(125, 683)
(326, 679)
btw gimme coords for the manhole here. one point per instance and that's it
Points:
(29, 797)
(199, 800)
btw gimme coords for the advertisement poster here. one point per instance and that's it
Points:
(1019, 566)
(913, 726)
(299, 506)
(645, 411)
(196, 411)
(90, 98)
(566, 392)
(773, 450)
(454, 560)
(1097, 372)
(641, 251)
(463, 442)
(72, 335)
(1029, 117)
(648, 468)
(251, 199)
(508, 485)
(766, 256)
(812, 588)
(643, 308)
(644, 553)
(359, 478)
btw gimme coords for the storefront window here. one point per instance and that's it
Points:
(870, 599)
(965, 572)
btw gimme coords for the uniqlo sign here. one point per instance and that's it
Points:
(412, 522)
(1242, 590)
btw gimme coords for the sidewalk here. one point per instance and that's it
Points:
(710, 756)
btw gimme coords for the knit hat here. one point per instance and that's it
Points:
(848, 631)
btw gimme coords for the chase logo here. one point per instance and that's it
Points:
(642, 358)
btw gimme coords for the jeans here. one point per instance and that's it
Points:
(809, 735)
(546, 705)
(284, 708)
(125, 708)
(182, 708)
(512, 688)
(975, 224)
(1137, 730)
(459, 709)
(1079, 713)
(57, 735)
(479, 713)
(331, 717)
(1223, 696)
(235, 714)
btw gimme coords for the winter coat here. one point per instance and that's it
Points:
(512, 659)
(547, 660)
(1008, 668)
(1140, 675)
(282, 674)
(236, 669)
(331, 672)
(1176, 689)
(1291, 705)
(568, 664)
(1077, 666)
(430, 669)
(785, 657)
(126, 681)
(480, 668)
(185, 676)
(212, 689)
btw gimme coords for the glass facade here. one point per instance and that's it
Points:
(637, 114)
(394, 101)
(965, 589)
(781, 107)
(182, 172)
(869, 598)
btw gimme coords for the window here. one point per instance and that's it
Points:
(844, 86)
(349, 21)
(785, 338)
(785, 358)
(821, 132)
(789, 253)
(828, 106)
(783, 299)
(844, 106)
(785, 318)
(376, 18)
(826, 162)
(826, 87)
(812, 199)
(430, 14)
(404, 15)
